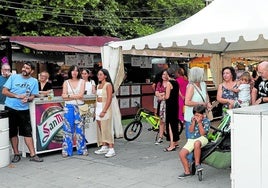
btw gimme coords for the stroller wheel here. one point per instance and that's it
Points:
(200, 175)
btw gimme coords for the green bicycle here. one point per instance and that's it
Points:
(134, 128)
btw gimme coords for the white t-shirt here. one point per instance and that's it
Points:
(89, 86)
(244, 93)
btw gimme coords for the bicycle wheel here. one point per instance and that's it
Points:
(132, 130)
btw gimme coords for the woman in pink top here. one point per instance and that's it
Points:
(182, 81)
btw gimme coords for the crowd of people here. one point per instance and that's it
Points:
(190, 93)
(179, 100)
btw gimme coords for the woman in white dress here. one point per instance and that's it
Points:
(90, 87)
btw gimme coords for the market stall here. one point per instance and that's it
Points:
(47, 121)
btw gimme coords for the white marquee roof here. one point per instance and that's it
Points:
(222, 26)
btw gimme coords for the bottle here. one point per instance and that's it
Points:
(50, 95)
(27, 93)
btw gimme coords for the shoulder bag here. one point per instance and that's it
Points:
(209, 113)
(83, 108)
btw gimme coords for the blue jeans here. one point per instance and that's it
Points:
(187, 135)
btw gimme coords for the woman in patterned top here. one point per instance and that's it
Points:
(225, 94)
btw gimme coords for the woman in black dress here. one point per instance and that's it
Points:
(171, 97)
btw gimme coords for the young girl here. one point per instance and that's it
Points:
(103, 113)
(90, 87)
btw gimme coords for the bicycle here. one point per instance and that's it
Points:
(134, 128)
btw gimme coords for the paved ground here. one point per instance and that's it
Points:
(139, 163)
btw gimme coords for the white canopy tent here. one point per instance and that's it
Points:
(224, 29)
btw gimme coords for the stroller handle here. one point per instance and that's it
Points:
(216, 129)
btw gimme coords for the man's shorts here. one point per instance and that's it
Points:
(190, 143)
(19, 122)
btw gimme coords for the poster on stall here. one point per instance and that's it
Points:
(49, 122)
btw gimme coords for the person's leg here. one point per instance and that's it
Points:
(68, 129)
(80, 134)
(15, 143)
(25, 130)
(183, 157)
(197, 152)
(172, 143)
(13, 128)
(29, 143)
(104, 146)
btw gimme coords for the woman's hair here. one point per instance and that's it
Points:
(108, 78)
(46, 73)
(201, 109)
(196, 74)
(73, 67)
(171, 72)
(232, 70)
(88, 72)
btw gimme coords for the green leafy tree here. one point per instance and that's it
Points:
(119, 18)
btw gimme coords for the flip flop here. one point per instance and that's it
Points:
(167, 150)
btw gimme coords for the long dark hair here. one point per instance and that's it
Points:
(70, 72)
(88, 72)
(108, 77)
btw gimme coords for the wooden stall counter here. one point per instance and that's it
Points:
(47, 120)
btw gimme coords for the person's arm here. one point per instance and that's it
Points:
(65, 94)
(6, 92)
(168, 90)
(191, 127)
(93, 86)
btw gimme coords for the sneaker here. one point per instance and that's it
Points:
(16, 158)
(103, 150)
(183, 175)
(158, 141)
(35, 158)
(110, 153)
(198, 168)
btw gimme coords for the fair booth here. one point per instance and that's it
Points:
(222, 30)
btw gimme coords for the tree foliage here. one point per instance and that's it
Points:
(120, 18)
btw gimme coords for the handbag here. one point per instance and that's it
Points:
(83, 108)
(209, 113)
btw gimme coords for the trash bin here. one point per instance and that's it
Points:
(4, 139)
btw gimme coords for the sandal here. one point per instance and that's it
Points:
(169, 150)
(35, 158)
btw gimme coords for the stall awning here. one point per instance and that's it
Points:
(60, 47)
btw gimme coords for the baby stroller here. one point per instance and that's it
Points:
(219, 142)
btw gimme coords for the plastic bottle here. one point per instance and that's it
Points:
(52, 93)
(27, 93)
